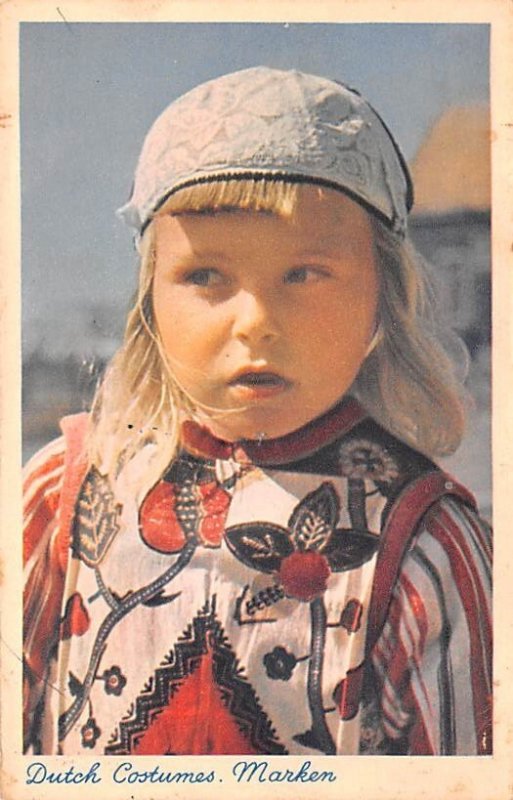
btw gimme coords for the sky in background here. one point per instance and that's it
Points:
(89, 93)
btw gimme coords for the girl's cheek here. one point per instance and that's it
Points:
(174, 301)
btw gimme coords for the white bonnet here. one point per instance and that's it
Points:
(264, 122)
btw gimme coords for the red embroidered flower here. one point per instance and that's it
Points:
(169, 512)
(159, 526)
(351, 617)
(304, 574)
(215, 502)
(76, 618)
(305, 553)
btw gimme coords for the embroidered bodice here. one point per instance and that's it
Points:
(226, 610)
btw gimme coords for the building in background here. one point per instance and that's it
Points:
(451, 220)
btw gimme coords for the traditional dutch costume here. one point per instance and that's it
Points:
(326, 592)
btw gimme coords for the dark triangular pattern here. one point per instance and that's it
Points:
(237, 693)
(242, 702)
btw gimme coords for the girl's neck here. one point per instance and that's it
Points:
(198, 440)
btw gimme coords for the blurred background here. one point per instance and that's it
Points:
(89, 93)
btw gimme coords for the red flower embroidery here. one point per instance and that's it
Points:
(304, 575)
(76, 618)
(159, 526)
(215, 502)
(305, 553)
(351, 617)
(167, 515)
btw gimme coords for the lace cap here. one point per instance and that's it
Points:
(269, 123)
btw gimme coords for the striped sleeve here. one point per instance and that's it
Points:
(433, 658)
(42, 483)
(44, 574)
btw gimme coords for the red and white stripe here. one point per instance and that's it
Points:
(433, 658)
(42, 484)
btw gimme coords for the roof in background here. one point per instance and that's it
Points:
(451, 169)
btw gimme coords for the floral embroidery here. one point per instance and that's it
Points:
(74, 685)
(75, 621)
(114, 679)
(214, 501)
(311, 537)
(363, 459)
(190, 501)
(279, 664)
(90, 733)
(348, 692)
(302, 556)
(304, 575)
(265, 598)
(351, 617)
(97, 520)
(123, 607)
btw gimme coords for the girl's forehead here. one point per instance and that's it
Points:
(320, 219)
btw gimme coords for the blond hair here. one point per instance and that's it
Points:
(408, 382)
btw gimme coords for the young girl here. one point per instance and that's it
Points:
(245, 547)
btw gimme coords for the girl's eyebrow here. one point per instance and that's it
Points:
(329, 247)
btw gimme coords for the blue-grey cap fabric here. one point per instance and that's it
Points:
(268, 123)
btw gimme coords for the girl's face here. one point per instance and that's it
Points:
(266, 319)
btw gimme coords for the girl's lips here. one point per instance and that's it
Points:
(259, 384)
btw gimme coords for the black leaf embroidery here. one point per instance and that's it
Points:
(97, 519)
(348, 549)
(160, 599)
(313, 520)
(74, 685)
(264, 545)
(259, 545)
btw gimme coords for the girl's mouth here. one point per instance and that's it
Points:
(259, 384)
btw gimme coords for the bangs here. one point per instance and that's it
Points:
(272, 195)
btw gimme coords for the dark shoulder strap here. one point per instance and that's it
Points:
(401, 524)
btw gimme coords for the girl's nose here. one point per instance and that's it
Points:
(254, 318)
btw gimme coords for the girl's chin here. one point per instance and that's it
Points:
(253, 427)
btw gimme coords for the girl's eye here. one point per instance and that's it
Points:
(205, 276)
(304, 275)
